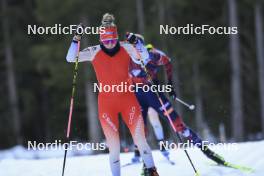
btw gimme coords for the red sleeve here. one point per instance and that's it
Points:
(165, 60)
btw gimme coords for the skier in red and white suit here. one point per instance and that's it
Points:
(111, 60)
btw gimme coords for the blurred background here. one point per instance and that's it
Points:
(223, 75)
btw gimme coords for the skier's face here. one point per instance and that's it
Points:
(109, 44)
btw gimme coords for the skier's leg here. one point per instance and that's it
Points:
(156, 124)
(144, 106)
(182, 128)
(156, 105)
(133, 119)
(158, 130)
(177, 121)
(110, 125)
(144, 110)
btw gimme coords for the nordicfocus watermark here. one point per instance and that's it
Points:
(72, 145)
(126, 87)
(191, 29)
(205, 144)
(58, 29)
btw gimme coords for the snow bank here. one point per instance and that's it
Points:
(249, 154)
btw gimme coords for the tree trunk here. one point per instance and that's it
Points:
(175, 62)
(140, 17)
(11, 81)
(44, 122)
(176, 80)
(161, 17)
(93, 125)
(236, 86)
(94, 131)
(198, 98)
(260, 58)
(161, 20)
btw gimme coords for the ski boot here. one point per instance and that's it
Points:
(149, 171)
(136, 157)
(205, 149)
(164, 152)
(213, 156)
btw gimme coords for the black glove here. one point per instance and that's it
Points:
(172, 93)
(78, 33)
(131, 37)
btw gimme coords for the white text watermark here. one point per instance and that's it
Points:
(205, 144)
(191, 29)
(58, 29)
(126, 87)
(72, 145)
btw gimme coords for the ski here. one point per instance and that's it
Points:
(130, 164)
(220, 161)
(239, 167)
(167, 158)
(170, 161)
(235, 166)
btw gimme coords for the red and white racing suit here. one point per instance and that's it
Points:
(113, 70)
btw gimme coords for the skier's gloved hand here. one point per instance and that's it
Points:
(78, 33)
(172, 93)
(131, 37)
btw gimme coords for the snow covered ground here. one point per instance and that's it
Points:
(250, 154)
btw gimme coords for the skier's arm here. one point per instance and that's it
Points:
(137, 75)
(72, 52)
(163, 59)
(85, 55)
(138, 52)
(168, 68)
(143, 52)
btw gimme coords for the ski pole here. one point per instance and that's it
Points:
(180, 139)
(75, 73)
(191, 107)
(167, 114)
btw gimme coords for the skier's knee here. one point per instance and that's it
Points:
(179, 124)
